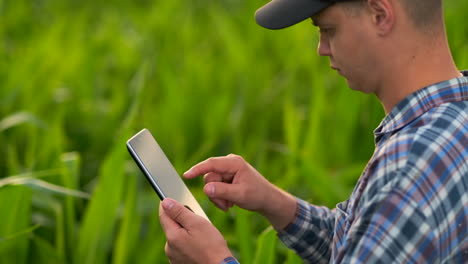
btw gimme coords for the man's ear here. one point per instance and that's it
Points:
(383, 15)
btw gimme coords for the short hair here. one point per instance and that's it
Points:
(425, 14)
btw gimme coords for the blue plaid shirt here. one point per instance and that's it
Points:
(230, 260)
(410, 204)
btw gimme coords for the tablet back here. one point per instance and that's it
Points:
(159, 171)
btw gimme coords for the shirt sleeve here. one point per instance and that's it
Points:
(391, 228)
(310, 234)
(230, 260)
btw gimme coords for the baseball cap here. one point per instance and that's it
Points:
(279, 14)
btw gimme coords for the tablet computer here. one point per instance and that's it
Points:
(159, 171)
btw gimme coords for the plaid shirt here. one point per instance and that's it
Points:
(410, 204)
(230, 260)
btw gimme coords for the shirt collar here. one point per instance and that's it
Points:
(421, 101)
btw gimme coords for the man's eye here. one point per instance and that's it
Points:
(326, 30)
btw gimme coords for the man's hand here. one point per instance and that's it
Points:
(231, 180)
(190, 238)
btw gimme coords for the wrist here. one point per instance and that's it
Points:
(280, 208)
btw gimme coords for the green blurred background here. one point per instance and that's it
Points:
(78, 78)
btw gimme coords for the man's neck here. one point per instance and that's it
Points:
(414, 70)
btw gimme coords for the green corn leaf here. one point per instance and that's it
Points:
(244, 235)
(15, 224)
(20, 233)
(41, 185)
(266, 247)
(97, 230)
(127, 239)
(70, 177)
(20, 118)
(293, 258)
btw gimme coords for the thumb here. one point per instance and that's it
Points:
(225, 191)
(178, 212)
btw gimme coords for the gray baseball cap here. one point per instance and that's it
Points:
(279, 14)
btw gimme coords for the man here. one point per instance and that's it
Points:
(411, 202)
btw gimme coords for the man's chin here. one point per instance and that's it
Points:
(356, 87)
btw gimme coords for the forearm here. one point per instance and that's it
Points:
(280, 208)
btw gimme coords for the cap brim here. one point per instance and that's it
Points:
(279, 14)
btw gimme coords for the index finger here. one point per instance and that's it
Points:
(226, 166)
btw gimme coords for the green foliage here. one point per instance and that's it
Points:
(15, 225)
(78, 78)
(266, 247)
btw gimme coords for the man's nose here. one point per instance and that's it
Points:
(323, 48)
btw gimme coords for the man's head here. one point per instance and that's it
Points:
(375, 44)
(279, 14)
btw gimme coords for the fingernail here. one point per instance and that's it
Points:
(187, 172)
(167, 204)
(211, 190)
